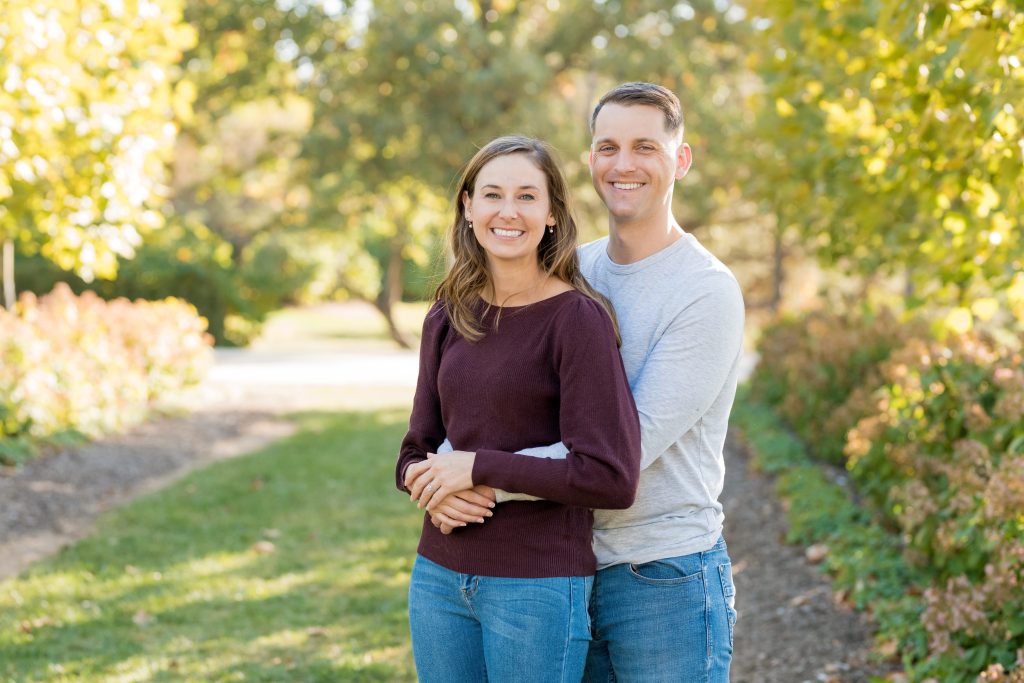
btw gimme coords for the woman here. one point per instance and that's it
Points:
(518, 351)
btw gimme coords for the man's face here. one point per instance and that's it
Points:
(634, 162)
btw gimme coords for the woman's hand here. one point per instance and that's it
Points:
(463, 507)
(431, 481)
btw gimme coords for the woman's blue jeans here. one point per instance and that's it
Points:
(468, 628)
(668, 621)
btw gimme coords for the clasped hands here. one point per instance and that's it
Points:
(443, 485)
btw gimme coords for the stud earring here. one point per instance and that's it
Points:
(551, 229)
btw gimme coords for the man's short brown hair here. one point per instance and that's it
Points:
(650, 94)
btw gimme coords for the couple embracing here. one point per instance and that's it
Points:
(570, 413)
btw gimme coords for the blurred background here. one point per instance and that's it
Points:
(859, 166)
(250, 155)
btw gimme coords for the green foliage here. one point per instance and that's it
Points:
(282, 565)
(899, 128)
(82, 365)
(934, 441)
(85, 125)
(188, 261)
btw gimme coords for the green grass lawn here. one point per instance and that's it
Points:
(288, 564)
(350, 326)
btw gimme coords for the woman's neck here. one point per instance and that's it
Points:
(520, 286)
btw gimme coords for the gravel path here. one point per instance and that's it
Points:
(789, 628)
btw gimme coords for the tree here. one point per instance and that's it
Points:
(891, 137)
(403, 101)
(86, 110)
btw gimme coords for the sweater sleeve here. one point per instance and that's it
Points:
(689, 365)
(597, 421)
(426, 427)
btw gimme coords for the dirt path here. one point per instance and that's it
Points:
(789, 629)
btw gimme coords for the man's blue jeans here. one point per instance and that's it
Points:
(669, 620)
(468, 628)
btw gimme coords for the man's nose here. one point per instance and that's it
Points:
(624, 161)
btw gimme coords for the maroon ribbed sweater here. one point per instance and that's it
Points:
(548, 372)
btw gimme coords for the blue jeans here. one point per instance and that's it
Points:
(468, 628)
(669, 620)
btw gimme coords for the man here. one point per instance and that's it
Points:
(663, 601)
(662, 607)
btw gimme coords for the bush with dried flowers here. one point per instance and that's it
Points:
(79, 364)
(934, 444)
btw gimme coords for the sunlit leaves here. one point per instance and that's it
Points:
(904, 119)
(85, 124)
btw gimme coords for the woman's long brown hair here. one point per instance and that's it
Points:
(469, 275)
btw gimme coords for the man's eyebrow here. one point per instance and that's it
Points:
(601, 141)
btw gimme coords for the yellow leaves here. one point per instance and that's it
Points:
(1015, 296)
(954, 223)
(876, 166)
(181, 102)
(182, 36)
(1006, 123)
(784, 108)
(858, 122)
(959, 321)
(985, 308)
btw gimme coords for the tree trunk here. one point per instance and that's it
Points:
(10, 296)
(778, 271)
(391, 293)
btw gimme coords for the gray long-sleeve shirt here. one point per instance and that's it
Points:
(681, 315)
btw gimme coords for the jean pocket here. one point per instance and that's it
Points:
(728, 588)
(668, 572)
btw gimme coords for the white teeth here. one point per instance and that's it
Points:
(627, 186)
(507, 233)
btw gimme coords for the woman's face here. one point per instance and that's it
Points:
(510, 209)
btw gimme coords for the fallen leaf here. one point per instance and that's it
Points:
(263, 547)
(816, 553)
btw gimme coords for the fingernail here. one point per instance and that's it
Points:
(463, 524)
(490, 505)
(490, 514)
(480, 519)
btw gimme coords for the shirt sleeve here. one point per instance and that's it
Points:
(426, 427)
(597, 421)
(689, 366)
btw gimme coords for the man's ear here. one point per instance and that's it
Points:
(684, 159)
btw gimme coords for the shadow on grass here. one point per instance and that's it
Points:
(291, 563)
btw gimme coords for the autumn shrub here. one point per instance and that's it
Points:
(942, 458)
(934, 445)
(812, 365)
(79, 364)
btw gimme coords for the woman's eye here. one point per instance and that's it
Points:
(526, 197)
(491, 195)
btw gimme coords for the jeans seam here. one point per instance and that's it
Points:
(707, 617)
(568, 630)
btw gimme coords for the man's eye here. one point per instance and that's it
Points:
(606, 148)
